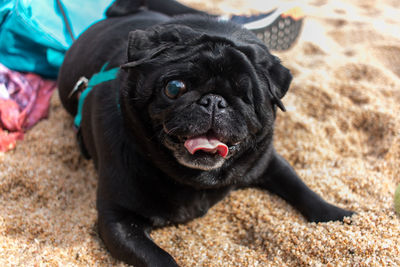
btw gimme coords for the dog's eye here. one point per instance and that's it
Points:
(175, 88)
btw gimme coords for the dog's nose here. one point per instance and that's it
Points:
(213, 102)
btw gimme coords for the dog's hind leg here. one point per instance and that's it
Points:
(166, 7)
(171, 7)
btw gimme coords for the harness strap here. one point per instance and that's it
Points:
(97, 78)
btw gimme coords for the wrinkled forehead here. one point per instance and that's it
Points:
(220, 59)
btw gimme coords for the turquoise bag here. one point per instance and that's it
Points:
(35, 34)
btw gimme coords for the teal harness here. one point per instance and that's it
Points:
(97, 78)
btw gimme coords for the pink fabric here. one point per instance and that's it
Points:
(24, 100)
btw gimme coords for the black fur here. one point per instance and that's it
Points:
(132, 130)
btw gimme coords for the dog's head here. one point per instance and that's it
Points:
(205, 93)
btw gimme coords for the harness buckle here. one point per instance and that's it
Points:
(80, 85)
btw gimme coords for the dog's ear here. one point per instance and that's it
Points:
(277, 76)
(125, 7)
(142, 47)
(138, 41)
(280, 81)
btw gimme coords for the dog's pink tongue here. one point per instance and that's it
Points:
(208, 144)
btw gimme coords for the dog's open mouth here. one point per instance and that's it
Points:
(207, 143)
(205, 151)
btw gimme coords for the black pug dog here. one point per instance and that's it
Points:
(180, 112)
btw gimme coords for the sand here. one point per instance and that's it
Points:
(341, 132)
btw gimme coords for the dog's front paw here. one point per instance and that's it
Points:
(329, 213)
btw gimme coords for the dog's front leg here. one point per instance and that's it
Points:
(281, 179)
(127, 238)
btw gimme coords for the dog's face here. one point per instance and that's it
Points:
(202, 96)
